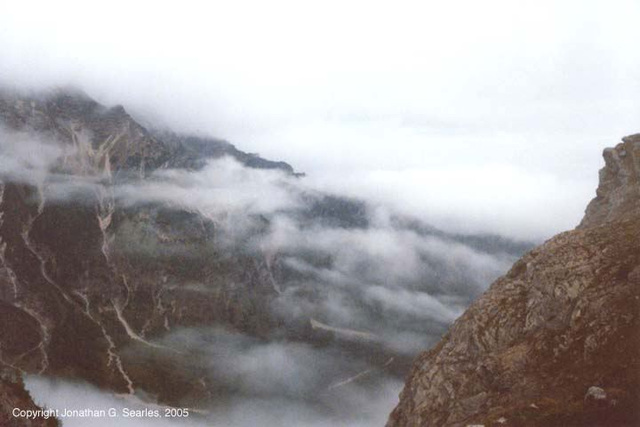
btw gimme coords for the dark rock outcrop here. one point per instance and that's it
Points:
(13, 397)
(545, 339)
(618, 194)
(193, 152)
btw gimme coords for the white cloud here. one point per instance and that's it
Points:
(365, 87)
(267, 384)
(222, 188)
(27, 157)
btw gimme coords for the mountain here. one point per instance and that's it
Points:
(74, 291)
(554, 342)
(175, 268)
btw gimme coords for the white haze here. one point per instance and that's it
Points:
(274, 384)
(279, 384)
(64, 395)
(27, 158)
(416, 284)
(475, 116)
(382, 265)
(471, 116)
(224, 191)
(396, 287)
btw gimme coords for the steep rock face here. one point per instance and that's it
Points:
(193, 151)
(618, 194)
(108, 137)
(14, 396)
(556, 341)
(74, 291)
(111, 138)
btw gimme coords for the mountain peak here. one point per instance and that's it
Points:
(69, 115)
(618, 193)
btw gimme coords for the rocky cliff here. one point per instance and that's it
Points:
(13, 396)
(75, 285)
(556, 341)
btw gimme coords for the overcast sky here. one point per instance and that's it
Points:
(475, 116)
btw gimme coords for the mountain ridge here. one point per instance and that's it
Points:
(34, 111)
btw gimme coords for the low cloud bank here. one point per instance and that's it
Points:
(400, 281)
(381, 285)
(267, 384)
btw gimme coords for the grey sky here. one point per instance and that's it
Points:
(477, 116)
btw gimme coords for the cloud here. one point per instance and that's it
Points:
(419, 304)
(385, 279)
(390, 88)
(268, 384)
(342, 276)
(27, 157)
(364, 289)
(289, 383)
(422, 111)
(70, 396)
(223, 186)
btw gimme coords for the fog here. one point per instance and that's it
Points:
(393, 281)
(420, 123)
(266, 384)
(383, 288)
(27, 158)
(471, 115)
(63, 395)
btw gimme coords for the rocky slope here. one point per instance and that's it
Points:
(13, 396)
(74, 288)
(556, 341)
